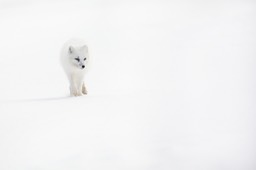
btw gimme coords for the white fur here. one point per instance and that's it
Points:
(71, 50)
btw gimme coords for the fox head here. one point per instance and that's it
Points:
(79, 56)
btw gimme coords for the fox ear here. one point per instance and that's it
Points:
(71, 49)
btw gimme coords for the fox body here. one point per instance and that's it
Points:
(75, 62)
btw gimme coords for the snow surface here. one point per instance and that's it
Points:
(172, 85)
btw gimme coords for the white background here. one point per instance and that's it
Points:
(172, 85)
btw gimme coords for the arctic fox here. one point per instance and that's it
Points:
(74, 60)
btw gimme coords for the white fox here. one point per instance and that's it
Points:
(74, 60)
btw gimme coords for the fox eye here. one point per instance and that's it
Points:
(84, 59)
(77, 59)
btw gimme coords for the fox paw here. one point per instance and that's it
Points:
(84, 91)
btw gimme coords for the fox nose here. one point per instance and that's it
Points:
(83, 66)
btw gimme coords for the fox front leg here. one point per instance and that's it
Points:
(80, 87)
(74, 89)
(84, 90)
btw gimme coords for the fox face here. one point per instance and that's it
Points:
(79, 56)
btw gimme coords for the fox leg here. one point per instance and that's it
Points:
(79, 83)
(84, 91)
(74, 89)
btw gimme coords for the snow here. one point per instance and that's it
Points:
(172, 85)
